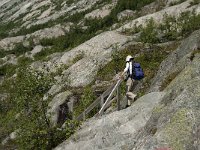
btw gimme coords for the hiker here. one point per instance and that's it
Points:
(133, 72)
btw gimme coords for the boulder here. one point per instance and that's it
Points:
(59, 108)
(46, 13)
(101, 12)
(35, 50)
(126, 14)
(9, 43)
(12, 136)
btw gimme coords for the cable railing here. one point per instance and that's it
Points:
(104, 101)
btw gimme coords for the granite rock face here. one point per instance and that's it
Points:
(114, 131)
(177, 60)
(167, 119)
(95, 53)
(59, 106)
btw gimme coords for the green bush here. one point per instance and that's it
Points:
(87, 98)
(7, 70)
(24, 61)
(66, 42)
(194, 2)
(35, 131)
(5, 28)
(149, 33)
(170, 27)
(182, 26)
(20, 49)
(176, 2)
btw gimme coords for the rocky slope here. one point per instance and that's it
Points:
(168, 119)
(81, 45)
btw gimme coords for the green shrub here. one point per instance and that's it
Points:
(63, 43)
(20, 49)
(5, 28)
(2, 53)
(194, 2)
(182, 26)
(35, 131)
(24, 61)
(170, 27)
(149, 33)
(176, 2)
(7, 70)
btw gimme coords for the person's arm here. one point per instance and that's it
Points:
(125, 70)
(127, 67)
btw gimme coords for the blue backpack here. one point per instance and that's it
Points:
(137, 72)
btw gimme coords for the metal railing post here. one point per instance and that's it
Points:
(118, 98)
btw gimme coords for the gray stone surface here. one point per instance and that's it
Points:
(35, 50)
(126, 14)
(176, 120)
(101, 12)
(9, 43)
(96, 54)
(177, 60)
(168, 119)
(114, 131)
(54, 106)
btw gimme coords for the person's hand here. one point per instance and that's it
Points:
(121, 76)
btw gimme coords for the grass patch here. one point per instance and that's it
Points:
(24, 61)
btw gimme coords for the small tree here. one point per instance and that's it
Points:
(35, 131)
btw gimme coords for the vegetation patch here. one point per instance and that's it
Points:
(87, 98)
(7, 70)
(149, 33)
(24, 61)
(26, 93)
(18, 50)
(171, 29)
(194, 2)
(64, 43)
(149, 59)
(5, 28)
(176, 2)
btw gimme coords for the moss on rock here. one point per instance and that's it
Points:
(179, 129)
